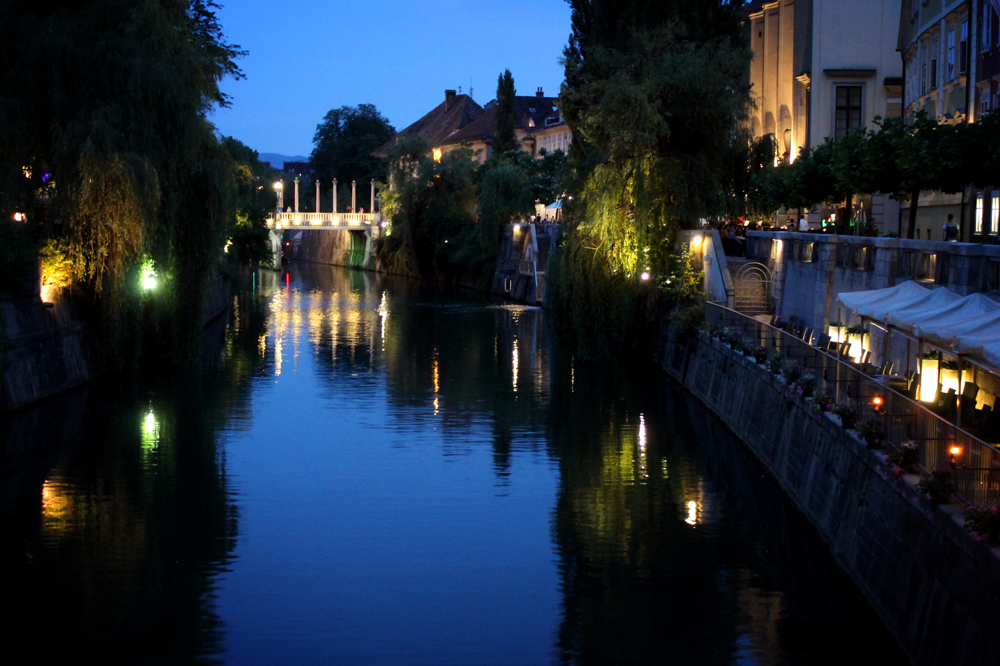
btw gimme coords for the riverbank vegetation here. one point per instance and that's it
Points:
(656, 98)
(108, 159)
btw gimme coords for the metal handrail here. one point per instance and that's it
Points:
(976, 466)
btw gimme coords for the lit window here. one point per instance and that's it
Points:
(994, 211)
(979, 214)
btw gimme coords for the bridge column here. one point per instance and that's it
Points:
(335, 195)
(372, 202)
(354, 196)
(296, 194)
(317, 196)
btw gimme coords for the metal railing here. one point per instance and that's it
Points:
(975, 464)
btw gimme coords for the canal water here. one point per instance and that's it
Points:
(375, 471)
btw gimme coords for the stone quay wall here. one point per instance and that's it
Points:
(936, 589)
(810, 270)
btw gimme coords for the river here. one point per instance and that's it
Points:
(375, 471)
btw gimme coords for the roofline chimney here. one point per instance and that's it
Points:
(449, 99)
(539, 93)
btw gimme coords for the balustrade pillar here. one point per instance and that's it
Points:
(354, 196)
(335, 196)
(372, 202)
(317, 197)
(296, 194)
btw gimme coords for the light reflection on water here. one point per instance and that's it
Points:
(379, 472)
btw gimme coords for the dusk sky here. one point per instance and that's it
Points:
(307, 58)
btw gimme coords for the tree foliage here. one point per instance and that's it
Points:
(255, 199)
(505, 136)
(656, 100)
(897, 158)
(343, 147)
(103, 116)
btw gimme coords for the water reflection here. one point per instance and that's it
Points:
(417, 477)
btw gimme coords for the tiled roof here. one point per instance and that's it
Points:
(527, 109)
(447, 118)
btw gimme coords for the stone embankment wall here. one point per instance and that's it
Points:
(936, 589)
(47, 350)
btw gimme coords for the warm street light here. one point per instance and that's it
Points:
(279, 190)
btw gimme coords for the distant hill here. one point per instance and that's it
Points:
(278, 161)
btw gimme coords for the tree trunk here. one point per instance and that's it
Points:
(911, 224)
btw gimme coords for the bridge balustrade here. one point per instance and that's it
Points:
(341, 220)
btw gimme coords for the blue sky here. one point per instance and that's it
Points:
(307, 58)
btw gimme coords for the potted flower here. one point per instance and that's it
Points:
(937, 486)
(871, 432)
(983, 522)
(791, 372)
(759, 355)
(807, 384)
(774, 364)
(823, 402)
(902, 459)
(848, 417)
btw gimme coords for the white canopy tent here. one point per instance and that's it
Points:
(874, 303)
(949, 324)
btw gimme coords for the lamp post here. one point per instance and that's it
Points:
(317, 196)
(279, 190)
(372, 202)
(296, 194)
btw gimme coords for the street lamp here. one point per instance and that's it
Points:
(279, 190)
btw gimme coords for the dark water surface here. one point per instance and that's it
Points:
(376, 472)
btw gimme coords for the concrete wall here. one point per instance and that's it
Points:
(936, 589)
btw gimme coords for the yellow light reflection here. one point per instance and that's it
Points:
(514, 365)
(150, 433)
(56, 509)
(383, 313)
(642, 447)
(692, 518)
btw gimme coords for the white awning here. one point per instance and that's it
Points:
(982, 338)
(875, 303)
(949, 323)
(969, 324)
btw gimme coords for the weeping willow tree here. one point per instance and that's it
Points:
(656, 98)
(103, 108)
